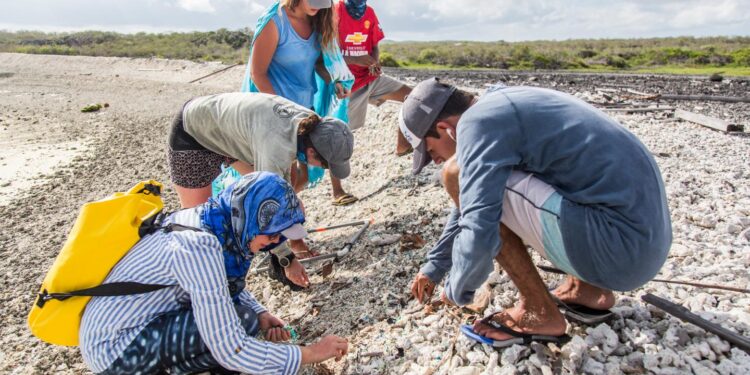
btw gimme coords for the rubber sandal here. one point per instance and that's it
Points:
(582, 314)
(518, 338)
(306, 254)
(344, 200)
(407, 152)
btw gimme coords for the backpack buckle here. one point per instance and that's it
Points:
(150, 189)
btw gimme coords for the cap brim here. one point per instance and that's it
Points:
(320, 4)
(295, 232)
(421, 158)
(340, 171)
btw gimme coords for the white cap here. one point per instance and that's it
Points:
(295, 232)
(320, 4)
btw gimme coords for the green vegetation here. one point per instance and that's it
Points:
(684, 55)
(224, 45)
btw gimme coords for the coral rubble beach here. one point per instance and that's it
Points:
(54, 158)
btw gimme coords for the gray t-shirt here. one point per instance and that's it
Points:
(259, 129)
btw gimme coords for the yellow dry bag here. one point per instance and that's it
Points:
(103, 233)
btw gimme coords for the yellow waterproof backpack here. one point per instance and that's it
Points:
(103, 233)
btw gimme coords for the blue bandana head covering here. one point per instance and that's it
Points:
(356, 8)
(258, 203)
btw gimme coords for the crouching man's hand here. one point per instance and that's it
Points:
(328, 347)
(422, 288)
(446, 301)
(297, 274)
(274, 327)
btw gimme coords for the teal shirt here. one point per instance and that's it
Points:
(614, 216)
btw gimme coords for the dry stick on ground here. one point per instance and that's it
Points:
(707, 121)
(638, 110)
(371, 354)
(216, 72)
(698, 285)
(711, 98)
(687, 316)
(642, 94)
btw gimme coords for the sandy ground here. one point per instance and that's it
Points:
(53, 158)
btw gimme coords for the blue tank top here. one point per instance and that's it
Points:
(292, 68)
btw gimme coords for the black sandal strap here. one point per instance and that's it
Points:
(527, 338)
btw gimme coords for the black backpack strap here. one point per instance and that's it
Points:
(103, 290)
(127, 288)
(179, 228)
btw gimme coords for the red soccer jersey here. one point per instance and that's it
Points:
(359, 38)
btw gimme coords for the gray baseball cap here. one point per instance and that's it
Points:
(335, 143)
(420, 110)
(320, 4)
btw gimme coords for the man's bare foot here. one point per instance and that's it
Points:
(545, 322)
(404, 150)
(403, 147)
(575, 291)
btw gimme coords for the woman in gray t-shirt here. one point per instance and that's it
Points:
(251, 132)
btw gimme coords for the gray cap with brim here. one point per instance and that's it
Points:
(420, 110)
(295, 232)
(334, 141)
(320, 4)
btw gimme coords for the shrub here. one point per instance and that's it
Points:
(741, 57)
(616, 61)
(427, 56)
(386, 59)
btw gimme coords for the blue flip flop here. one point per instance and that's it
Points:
(518, 337)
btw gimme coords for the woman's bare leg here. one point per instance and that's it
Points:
(193, 197)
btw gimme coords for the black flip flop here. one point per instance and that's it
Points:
(582, 314)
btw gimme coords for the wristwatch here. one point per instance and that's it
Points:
(286, 260)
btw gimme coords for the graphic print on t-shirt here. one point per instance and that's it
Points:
(359, 38)
(356, 38)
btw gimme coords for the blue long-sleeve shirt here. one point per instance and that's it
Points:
(615, 210)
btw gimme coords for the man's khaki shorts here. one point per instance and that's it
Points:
(371, 92)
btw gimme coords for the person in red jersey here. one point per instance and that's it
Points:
(359, 35)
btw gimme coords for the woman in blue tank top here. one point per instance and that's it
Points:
(286, 53)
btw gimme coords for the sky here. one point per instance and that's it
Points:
(423, 20)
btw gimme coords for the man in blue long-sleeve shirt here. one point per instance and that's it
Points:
(538, 167)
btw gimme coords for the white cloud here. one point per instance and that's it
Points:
(558, 19)
(488, 20)
(202, 6)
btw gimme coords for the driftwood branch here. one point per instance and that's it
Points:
(679, 282)
(639, 110)
(707, 121)
(710, 98)
(216, 72)
(686, 316)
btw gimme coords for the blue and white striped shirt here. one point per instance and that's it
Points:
(194, 263)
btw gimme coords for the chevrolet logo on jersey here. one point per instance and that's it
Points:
(356, 38)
